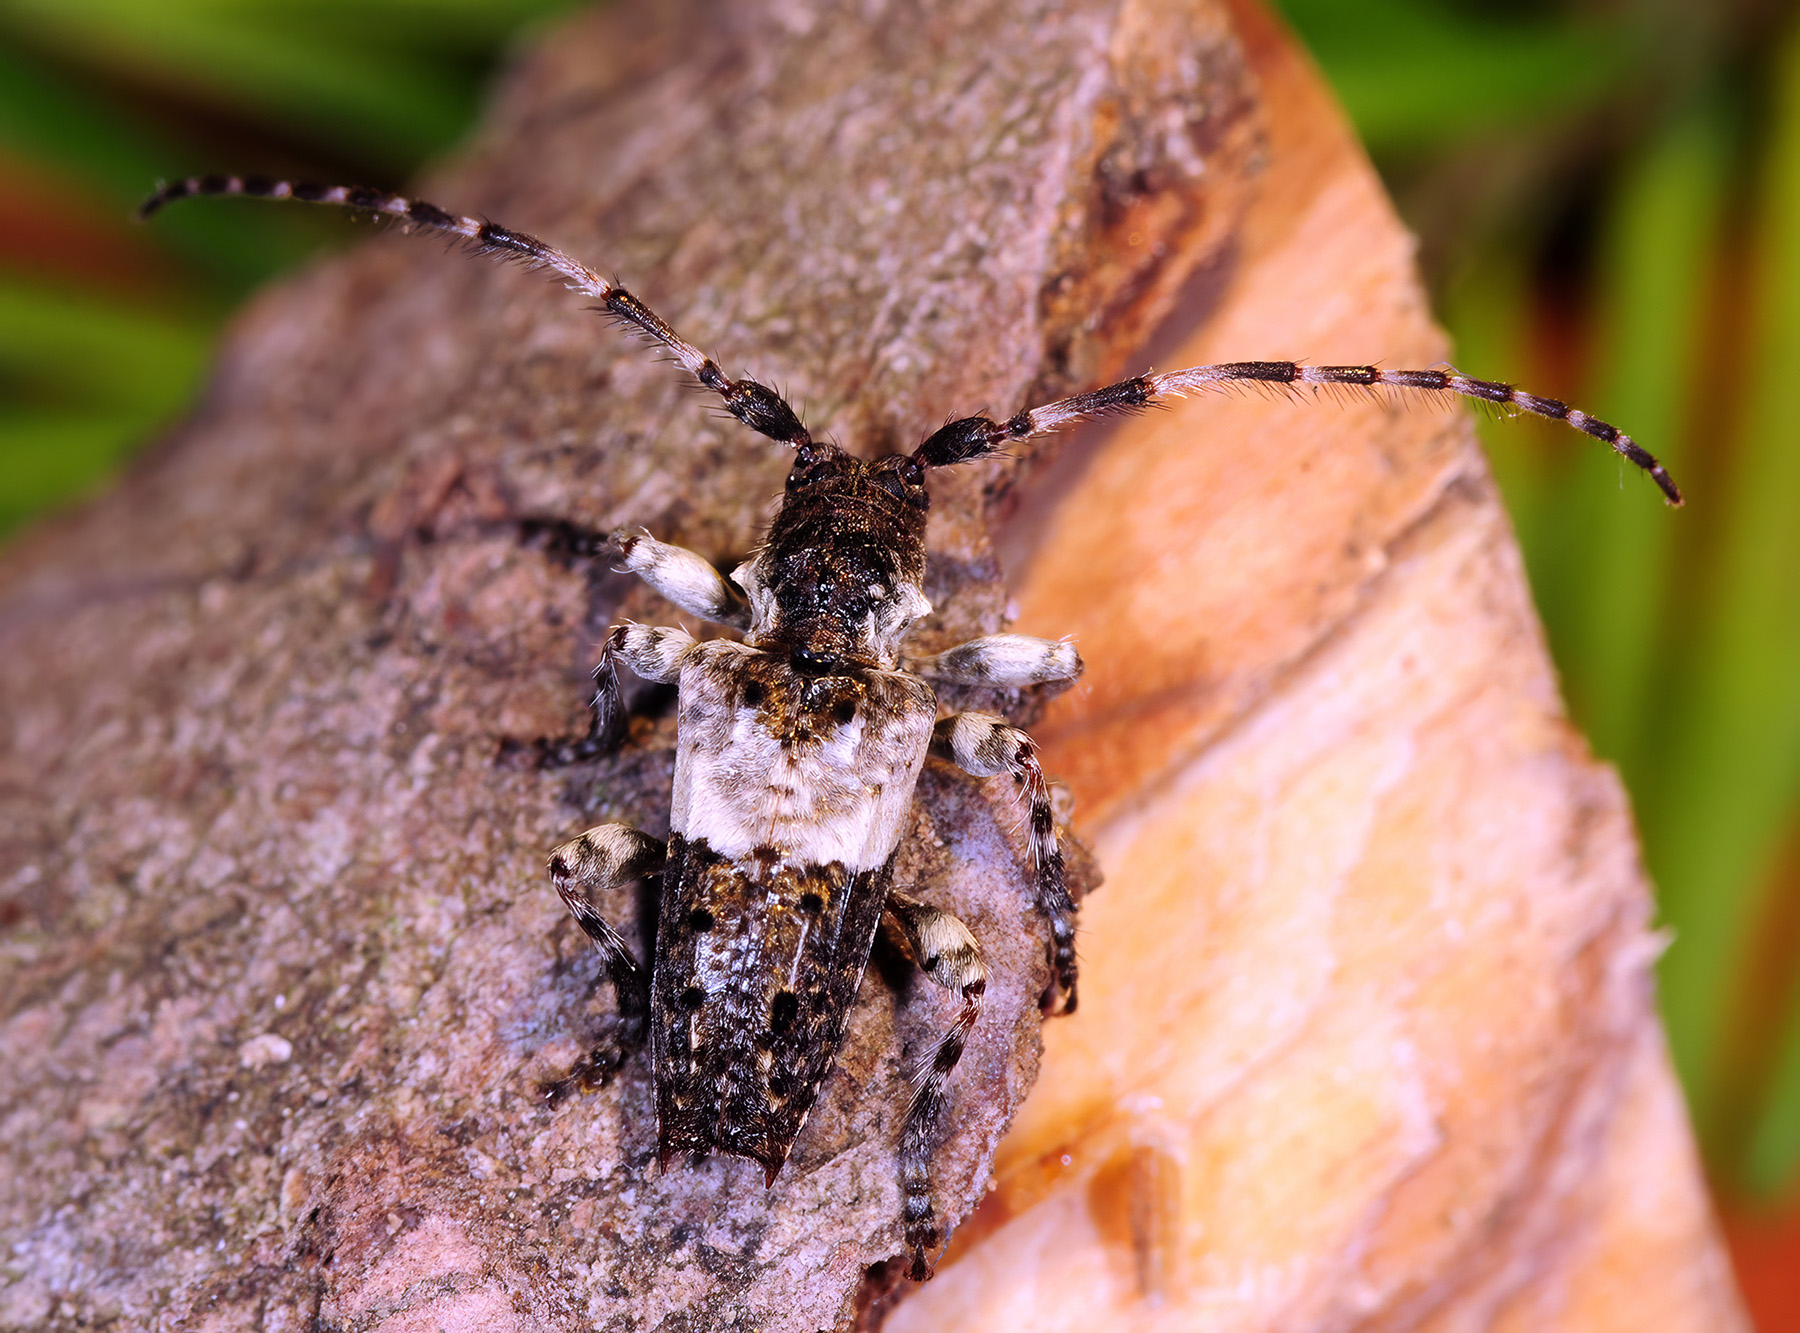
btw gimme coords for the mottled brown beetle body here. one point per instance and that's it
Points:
(798, 749)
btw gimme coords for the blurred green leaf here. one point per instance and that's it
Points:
(46, 117)
(51, 459)
(55, 346)
(1415, 75)
(87, 381)
(1657, 257)
(1773, 1154)
(75, 134)
(373, 77)
(1732, 771)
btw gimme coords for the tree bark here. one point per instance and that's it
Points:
(1370, 1039)
(1367, 1035)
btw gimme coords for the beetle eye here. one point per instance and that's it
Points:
(892, 483)
(901, 477)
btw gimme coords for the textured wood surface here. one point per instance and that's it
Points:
(1370, 1038)
(1366, 1037)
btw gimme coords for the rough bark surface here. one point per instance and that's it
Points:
(1367, 1037)
(282, 975)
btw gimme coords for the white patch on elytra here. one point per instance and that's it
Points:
(841, 796)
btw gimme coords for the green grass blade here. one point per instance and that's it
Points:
(391, 109)
(53, 459)
(84, 382)
(1415, 75)
(1772, 1158)
(1732, 773)
(1657, 260)
(100, 148)
(55, 346)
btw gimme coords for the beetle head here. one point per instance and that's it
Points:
(841, 575)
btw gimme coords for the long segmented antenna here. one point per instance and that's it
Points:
(978, 437)
(756, 405)
(765, 411)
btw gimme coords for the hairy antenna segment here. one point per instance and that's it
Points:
(756, 405)
(1179, 383)
(974, 438)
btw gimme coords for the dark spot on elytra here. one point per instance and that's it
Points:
(692, 998)
(700, 919)
(753, 694)
(843, 712)
(811, 903)
(784, 1011)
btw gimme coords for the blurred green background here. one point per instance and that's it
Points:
(1608, 201)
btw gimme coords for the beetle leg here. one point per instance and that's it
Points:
(685, 578)
(985, 745)
(947, 953)
(595, 863)
(652, 652)
(1009, 661)
(565, 540)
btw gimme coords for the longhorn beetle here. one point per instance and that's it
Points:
(799, 746)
